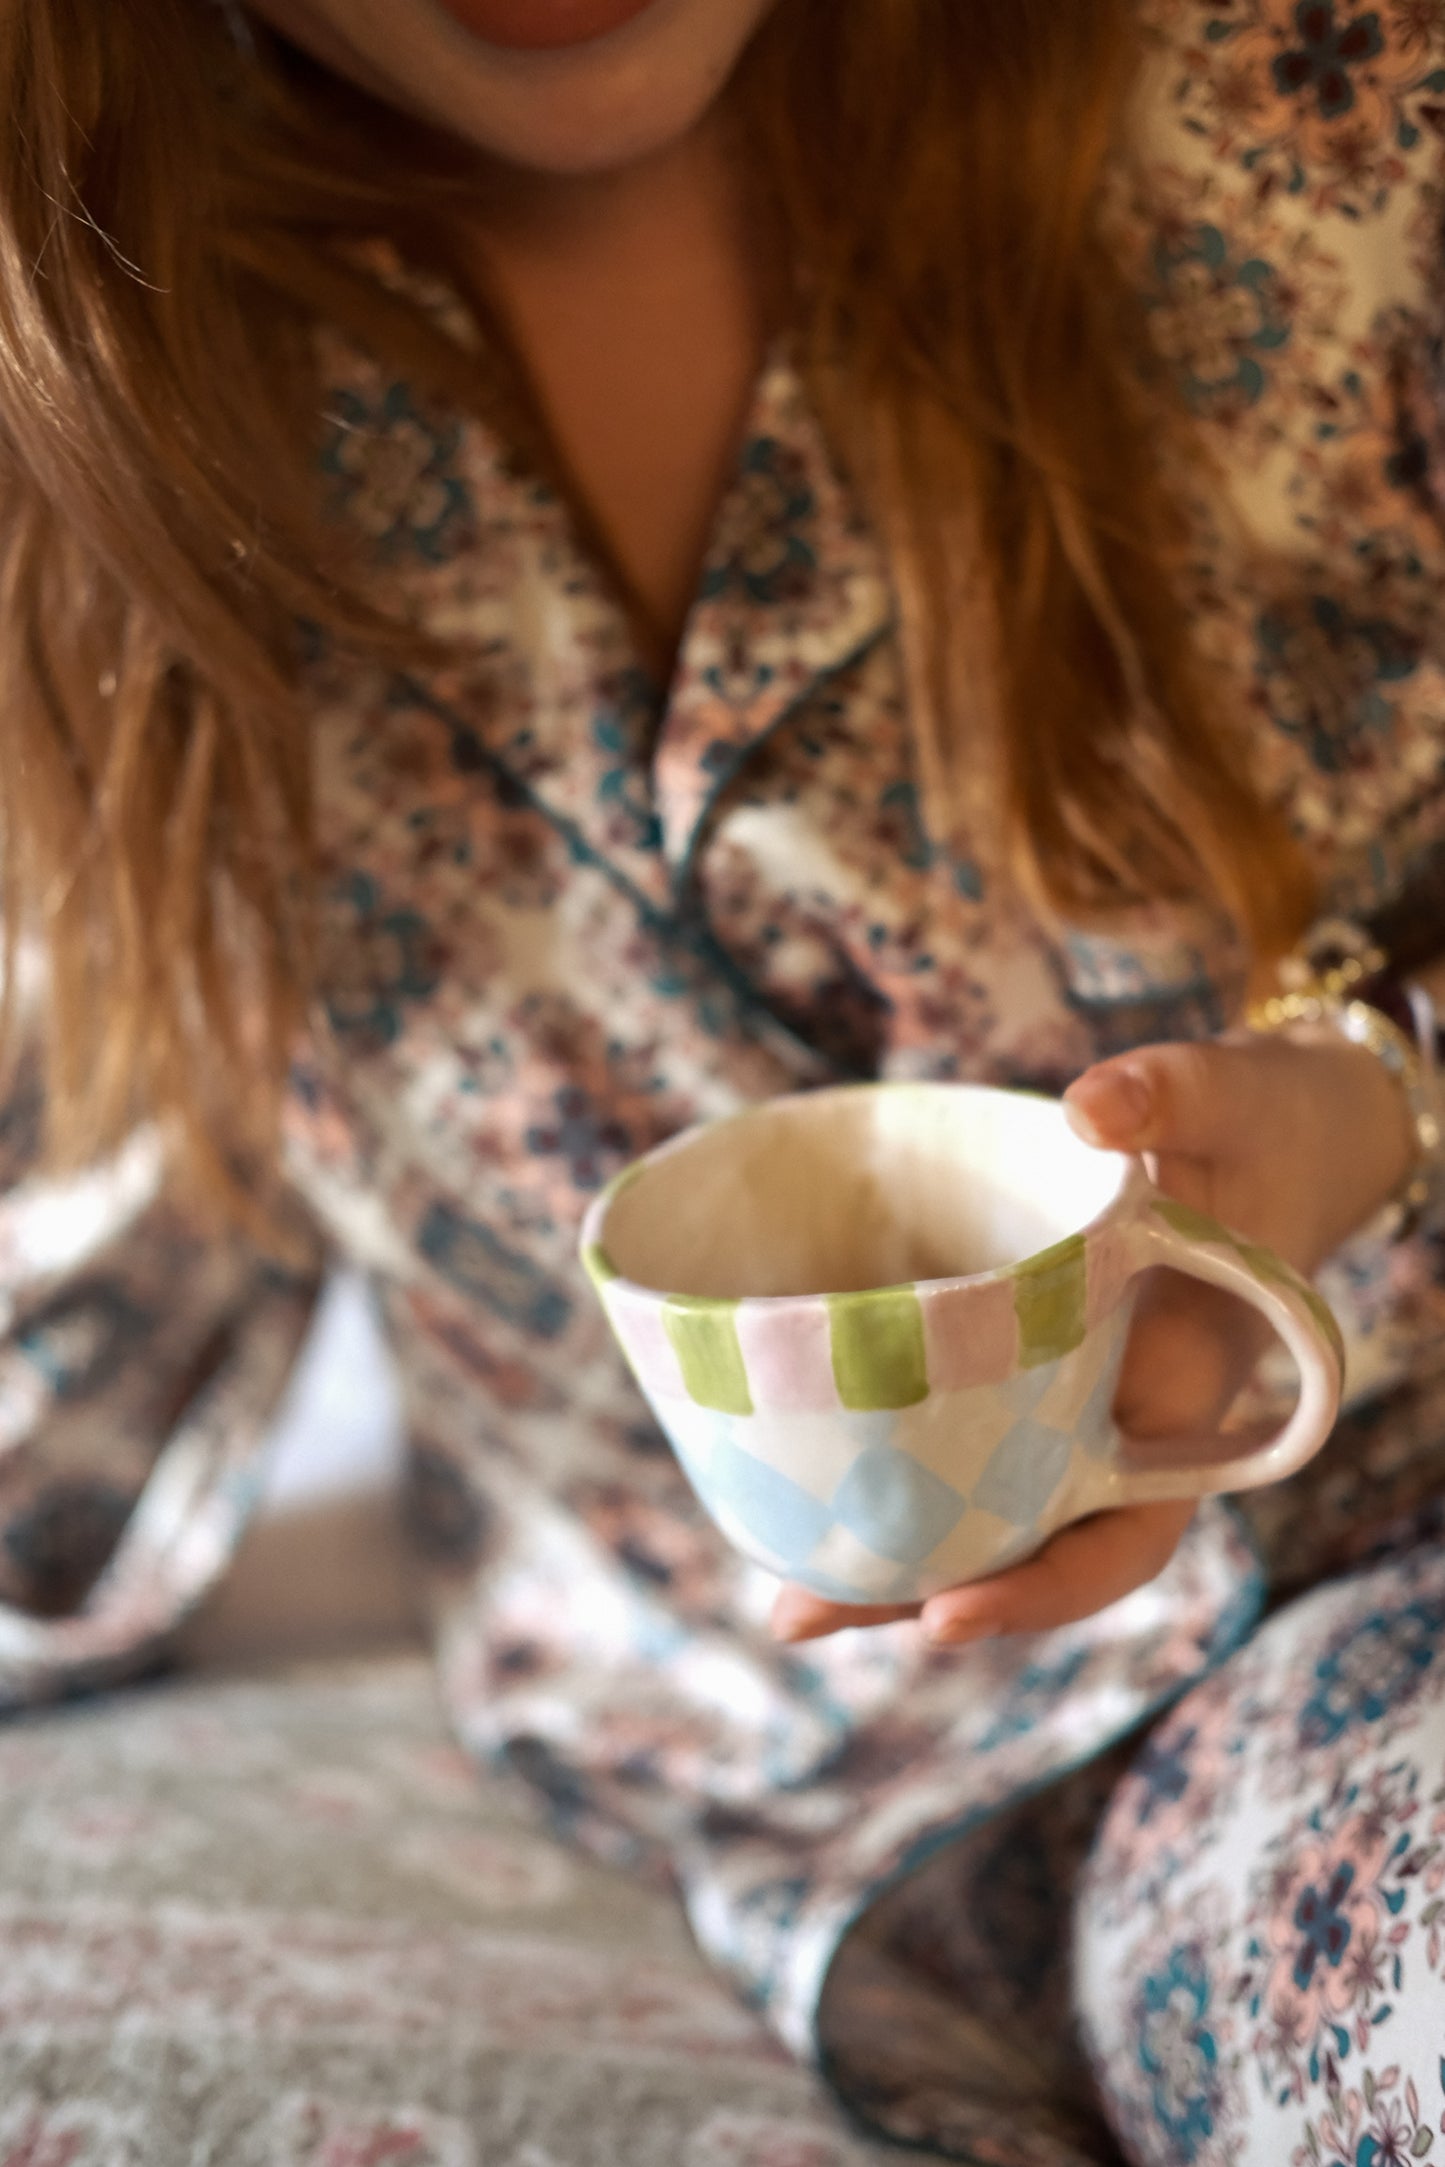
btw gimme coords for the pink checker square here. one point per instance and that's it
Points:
(788, 1354)
(971, 1334)
(638, 1325)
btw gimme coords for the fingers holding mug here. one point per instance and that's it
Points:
(1084, 1568)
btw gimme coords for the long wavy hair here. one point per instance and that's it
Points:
(174, 216)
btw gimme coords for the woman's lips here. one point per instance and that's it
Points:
(537, 26)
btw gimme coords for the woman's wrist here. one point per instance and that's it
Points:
(1337, 987)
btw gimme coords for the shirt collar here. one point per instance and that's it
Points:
(793, 589)
(545, 679)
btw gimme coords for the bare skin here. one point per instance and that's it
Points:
(580, 111)
(639, 311)
(620, 247)
(618, 242)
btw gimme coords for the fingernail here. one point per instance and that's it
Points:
(1082, 1126)
(1109, 1105)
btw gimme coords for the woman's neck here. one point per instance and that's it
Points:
(637, 303)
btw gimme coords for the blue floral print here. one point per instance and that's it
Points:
(567, 912)
(769, 557)
(394, 964)
(1374, 1668)
(1246, 306)
(1178, 2052)
(1330, 48)
(506, 1280)
(393, 471)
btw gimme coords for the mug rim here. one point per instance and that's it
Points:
(1134, 1188)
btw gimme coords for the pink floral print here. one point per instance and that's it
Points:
(567, 911)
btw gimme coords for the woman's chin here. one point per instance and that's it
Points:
(589, 133)
(550, 107)
(599, 106)
(544, 25)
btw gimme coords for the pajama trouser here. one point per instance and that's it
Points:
(1259, 1934)
(1223, 1947)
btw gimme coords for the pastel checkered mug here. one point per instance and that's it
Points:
(882, 1325)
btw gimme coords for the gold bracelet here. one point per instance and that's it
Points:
(1325, 997)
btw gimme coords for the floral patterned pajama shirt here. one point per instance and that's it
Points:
(568, 911)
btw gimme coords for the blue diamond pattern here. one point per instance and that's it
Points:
(892, 1504)
(1026, 1468)
(897, 1507)
(775, 1511)
(1095, 1430)
(1023, 1393)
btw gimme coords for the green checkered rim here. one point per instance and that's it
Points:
(877, 1340)
(1266, 1266)
(880, 1361)
(1051, 1296)
(704, 1337)
(880, 1358)
(877, 1343)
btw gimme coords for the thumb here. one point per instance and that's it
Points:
(1189, 1101)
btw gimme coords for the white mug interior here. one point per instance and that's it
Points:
(870, 1185)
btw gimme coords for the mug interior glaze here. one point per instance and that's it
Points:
(866, 1186)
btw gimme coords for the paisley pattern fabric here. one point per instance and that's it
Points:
(1260, 1949)
(568, 911)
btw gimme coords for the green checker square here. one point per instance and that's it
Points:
(704, 1336)
(880, 1360)
(1051, 1293)
(1275, 1272)
(1195, 1226)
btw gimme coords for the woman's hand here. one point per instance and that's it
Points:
(1296, 1141)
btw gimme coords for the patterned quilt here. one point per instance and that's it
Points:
(279, 1922)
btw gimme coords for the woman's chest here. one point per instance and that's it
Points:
(564, 916)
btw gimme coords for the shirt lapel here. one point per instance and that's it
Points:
(540, 682)
(794, 589)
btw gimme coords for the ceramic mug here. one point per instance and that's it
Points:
(882, 1325)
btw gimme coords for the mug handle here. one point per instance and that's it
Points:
(1186, 1240)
